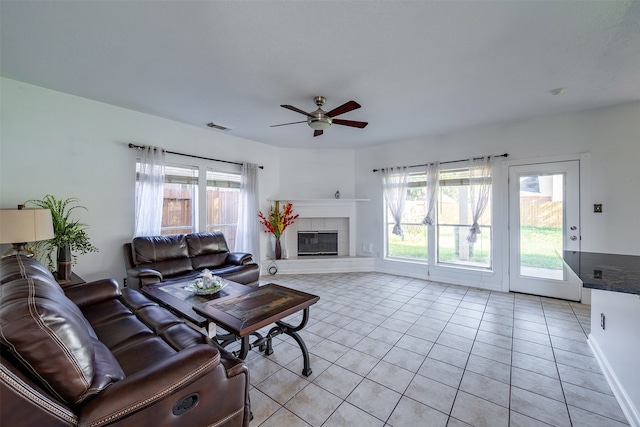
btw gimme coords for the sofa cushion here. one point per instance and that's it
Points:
(167, 254)
(210, 261)
(107, 369)
(208, 250)
(206, 243)
(47, 332)
(159, 248)
(14, 270)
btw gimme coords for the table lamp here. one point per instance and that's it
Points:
(19, 226)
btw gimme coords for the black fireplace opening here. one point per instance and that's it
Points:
(317, 243)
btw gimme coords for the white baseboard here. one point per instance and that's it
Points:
(628, 408)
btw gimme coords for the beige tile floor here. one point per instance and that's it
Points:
(395, 351)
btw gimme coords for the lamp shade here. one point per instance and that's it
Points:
(25, 225)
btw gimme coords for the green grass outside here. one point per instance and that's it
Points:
(538, 247)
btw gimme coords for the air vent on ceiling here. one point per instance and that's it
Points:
(219, 127)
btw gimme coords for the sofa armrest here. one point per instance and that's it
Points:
(239, 258)
(145, 275)
(89, 293)
(163, 383)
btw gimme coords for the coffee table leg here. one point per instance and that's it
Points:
(269, 346)
(226, 339)
(285, 328)
(244, 347)
(305, 353)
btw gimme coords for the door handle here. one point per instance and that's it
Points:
(573, 238)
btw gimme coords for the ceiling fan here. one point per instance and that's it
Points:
(319, 120)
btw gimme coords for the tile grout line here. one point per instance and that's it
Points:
(546, 310)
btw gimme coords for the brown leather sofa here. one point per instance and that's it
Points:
(181, 257)
(92, 355)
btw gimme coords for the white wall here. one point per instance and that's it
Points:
(316, 174)
(610, 136)
(617, 346)
(67, 146)
(54, 143)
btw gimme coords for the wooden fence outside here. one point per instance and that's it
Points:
(222, 208)
(532, 213)
(541, 214)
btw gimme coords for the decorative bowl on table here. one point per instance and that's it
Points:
(205, 286)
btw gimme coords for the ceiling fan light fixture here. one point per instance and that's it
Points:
(318, 120)
(319, 124)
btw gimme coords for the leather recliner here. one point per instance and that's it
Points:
(92, 355)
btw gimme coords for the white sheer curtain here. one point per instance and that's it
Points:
(247, 232)
(394, 185)
(150, 192)
(479, 192)
(433, 170)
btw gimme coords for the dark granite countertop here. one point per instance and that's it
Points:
(608, 272)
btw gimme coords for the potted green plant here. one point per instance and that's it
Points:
(70, 239)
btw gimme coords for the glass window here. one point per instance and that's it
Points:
(180, 199)
(179, 206)
(223, 196)
(455, 219)
(181, 210)
(414, 244)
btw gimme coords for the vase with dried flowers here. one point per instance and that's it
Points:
(277, 221)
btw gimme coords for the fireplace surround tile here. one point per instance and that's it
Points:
(320, 215)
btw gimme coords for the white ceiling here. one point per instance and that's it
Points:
(417, 68)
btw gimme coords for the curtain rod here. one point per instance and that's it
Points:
(138, 147)
(454, 161)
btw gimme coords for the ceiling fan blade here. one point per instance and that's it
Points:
(297, 110)
(344, 108)
(351, 123)
(317, 132)
(286, 124)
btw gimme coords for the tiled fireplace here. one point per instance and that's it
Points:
(323, 215)
(320, 215)
(340, 225)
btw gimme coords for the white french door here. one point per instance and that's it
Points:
(544, 221)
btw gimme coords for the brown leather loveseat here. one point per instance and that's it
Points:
(181, 257)
(92, 355)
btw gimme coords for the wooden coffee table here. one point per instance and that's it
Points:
(177, 298)
(240, 310)
(245, 314)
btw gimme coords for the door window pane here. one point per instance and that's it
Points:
(541, 225)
